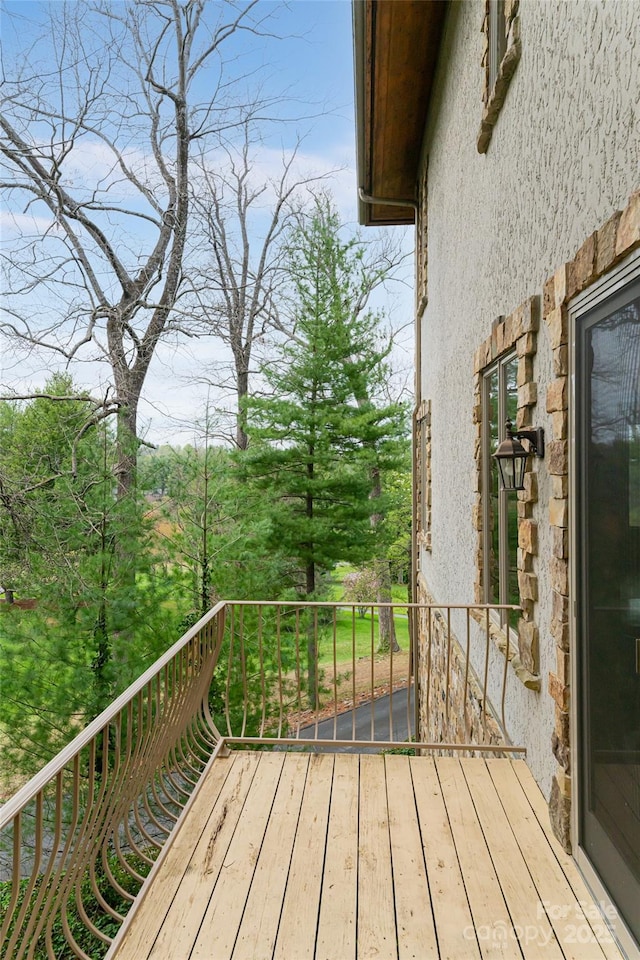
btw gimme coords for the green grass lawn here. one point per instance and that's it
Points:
(344, 631)
(345, 621)
(336, 590)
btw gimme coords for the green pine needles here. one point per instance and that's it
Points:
(318, 442)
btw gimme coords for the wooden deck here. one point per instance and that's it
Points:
(340, 857)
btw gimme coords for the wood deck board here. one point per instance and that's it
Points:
(414, 918)
(376, 918)
(564, 860)
(336, 938)
(538, 938)
(344, 857)
(259, 927)
(561, 904)
(301, 906)
(452, 915)
(486, 897)
(174, 906)
(217, 934)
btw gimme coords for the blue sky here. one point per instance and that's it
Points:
(320, 62)
(312, 62)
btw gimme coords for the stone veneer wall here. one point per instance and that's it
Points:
(446, 715)
(517, 331)
(619, 236)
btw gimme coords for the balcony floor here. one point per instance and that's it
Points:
(342, 857)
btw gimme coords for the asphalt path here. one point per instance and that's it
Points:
(344, 722)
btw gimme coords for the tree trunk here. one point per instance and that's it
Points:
(386, 627)
(101, 660)
(102, 654)
(242, 439)
(205, 578)
(126, 530)
(127, 448)
(312, 643)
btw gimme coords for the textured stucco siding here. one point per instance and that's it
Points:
(564, 155)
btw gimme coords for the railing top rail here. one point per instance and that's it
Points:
(309, 743)
(60, 761)
(404, 604)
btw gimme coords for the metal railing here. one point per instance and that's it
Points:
(278, 696)
(84, 832)
(77, 842)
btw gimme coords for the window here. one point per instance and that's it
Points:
(421, 241)
(501, 53)
(500, 510)
(505, 566)
(423, 448)
(497, 39)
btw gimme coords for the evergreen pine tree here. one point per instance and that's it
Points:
(92, 626)
(314, 442)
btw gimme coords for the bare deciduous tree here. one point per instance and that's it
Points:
(244, 213)
(96, 143)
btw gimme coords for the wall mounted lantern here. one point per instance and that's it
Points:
(511, 456)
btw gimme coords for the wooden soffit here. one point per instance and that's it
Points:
(396, 48)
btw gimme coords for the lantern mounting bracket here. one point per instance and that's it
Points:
(534, 437)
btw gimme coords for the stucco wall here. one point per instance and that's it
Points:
(563, 157)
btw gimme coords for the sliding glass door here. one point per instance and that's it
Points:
(608, 592)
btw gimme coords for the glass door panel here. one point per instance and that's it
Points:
(608, 612)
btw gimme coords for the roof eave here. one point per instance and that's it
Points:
(391, 94)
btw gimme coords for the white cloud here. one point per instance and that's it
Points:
(92, 162)
(333, 170)
(15, 223)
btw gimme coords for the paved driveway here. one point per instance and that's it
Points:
(401, 731)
